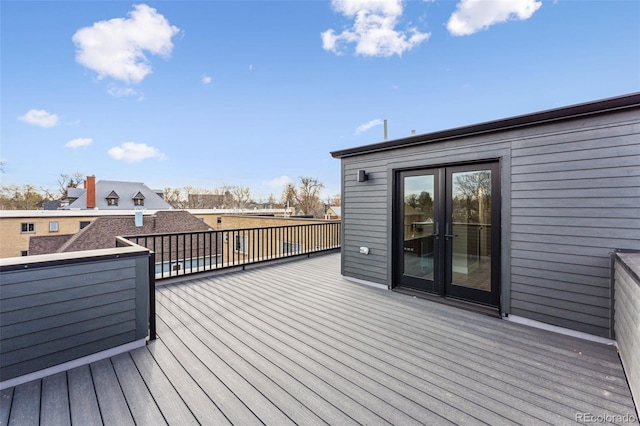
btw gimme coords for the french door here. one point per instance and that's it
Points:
(447, 231)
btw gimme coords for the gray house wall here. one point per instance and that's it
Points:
(60, 310)
(570, 195)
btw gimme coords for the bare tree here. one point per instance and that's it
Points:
(273, 203)
(240, 196)
(308, 196)
(289, 196)
(173, 196)
(66, 181)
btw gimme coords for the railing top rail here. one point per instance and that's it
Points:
(56, 259)
(305, 225)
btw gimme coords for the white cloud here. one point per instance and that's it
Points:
(206, 79)
(79, 143)
(133, 152)
(374, 29)
(472, 16)
(280, 181)
(116, 48)
(40, 117)
(120, 92)
(366, 126)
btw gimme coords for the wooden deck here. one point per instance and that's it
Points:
(295, 343)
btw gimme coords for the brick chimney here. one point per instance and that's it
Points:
(90, 186)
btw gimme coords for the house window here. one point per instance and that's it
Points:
(24, 253)
(240, 244)
(112, 199)
(291, 248)
(138, 199)
(28, 227)
(84, 223)
(53, 226)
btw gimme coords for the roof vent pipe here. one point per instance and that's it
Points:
(413, 132)
(385, 129)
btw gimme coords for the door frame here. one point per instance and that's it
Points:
(442, 172)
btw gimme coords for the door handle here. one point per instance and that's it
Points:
(446, 232)
(437, 231)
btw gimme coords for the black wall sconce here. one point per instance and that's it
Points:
(362, 176)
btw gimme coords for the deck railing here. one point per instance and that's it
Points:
(183, 253)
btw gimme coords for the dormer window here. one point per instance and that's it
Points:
(112, 199)
(138, 200)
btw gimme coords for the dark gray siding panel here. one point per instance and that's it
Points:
(570, 196)
(54, 314)
(575, 198)
(364, 223)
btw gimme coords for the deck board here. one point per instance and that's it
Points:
(54, 405)
(6, 398)
(113, 405)
(296, 343)
(25, 409)
(139, 399)
(83, 402)
(173, 408)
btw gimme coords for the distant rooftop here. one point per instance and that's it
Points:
(126, 193)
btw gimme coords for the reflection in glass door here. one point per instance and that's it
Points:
(471, 225)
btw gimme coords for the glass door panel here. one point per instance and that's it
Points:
(471, 226)
(417, 244)
(472, 239)
(418, 226)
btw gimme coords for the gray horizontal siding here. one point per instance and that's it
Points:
(575, 198)
(364, 223)
(571, 195)
(53, 314)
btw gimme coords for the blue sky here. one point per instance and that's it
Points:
(257, 93)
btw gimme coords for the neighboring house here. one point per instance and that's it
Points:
(114, 195)
(206, 201)
(102, 232)
(515, 216)
(333, 213)
(18, 226)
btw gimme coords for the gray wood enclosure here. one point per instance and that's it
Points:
(58, 308)
(569, 196)
(626, 270)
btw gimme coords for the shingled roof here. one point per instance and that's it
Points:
(45, 244)
(102, 231)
